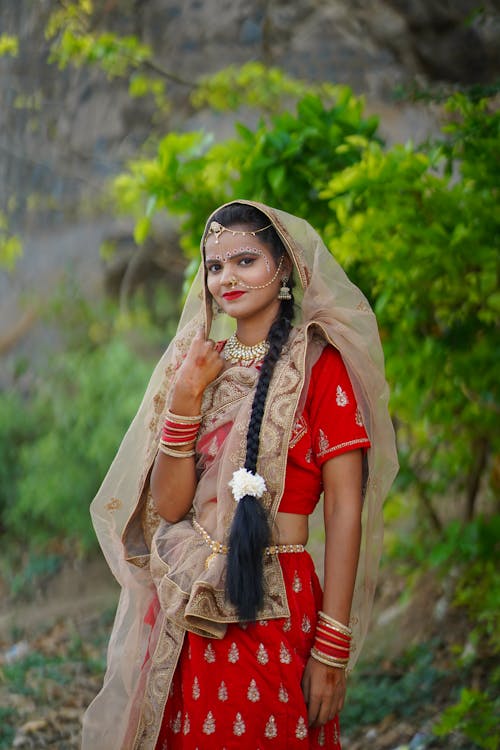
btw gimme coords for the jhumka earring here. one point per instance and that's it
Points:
(284, 292)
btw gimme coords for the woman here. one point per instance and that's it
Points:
(222, 636)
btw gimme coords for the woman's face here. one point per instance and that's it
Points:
(242, 275)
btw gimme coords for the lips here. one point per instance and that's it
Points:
(233, 295)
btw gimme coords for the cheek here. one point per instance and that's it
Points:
(212, 285)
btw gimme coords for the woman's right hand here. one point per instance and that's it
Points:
(202, 364)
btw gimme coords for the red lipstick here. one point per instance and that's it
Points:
(232, 295)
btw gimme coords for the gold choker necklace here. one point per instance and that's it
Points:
(236, 352)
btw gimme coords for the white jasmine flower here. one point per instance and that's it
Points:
(245, 483)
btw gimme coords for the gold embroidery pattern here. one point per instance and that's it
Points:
(196, 689)
(222, 692)
(158, 685)
(339, 446)
(209, 724)
(306, 624)
(239, 727)
(176, 723)
(231, 386)
(159, 402)
(282, 694)
(285, 655)
(213, 448)
(323, 443)
(363, 307)
(262, 655)
(301, 729)
(358, 418)
(271, 730)
(298, 431)
(114, 504)
(297, 583)
(341, 397)
(253, 693)
(287, 625)
(209, 654)
(187, 725)
(233, 653)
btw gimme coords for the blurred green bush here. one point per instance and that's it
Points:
(57, 443)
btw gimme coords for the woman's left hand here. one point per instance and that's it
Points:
(324, 691)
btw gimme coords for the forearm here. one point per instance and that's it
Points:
(342, 516)
(173, 479)
(342, 543)
(173, 484)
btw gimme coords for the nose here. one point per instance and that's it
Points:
(227, 277)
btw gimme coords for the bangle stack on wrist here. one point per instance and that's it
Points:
(179, 431)
(332, 643)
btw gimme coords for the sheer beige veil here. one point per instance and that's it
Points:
(329, 307)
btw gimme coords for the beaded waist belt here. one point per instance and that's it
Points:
(218, 548)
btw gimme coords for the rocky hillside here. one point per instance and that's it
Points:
(62, 133)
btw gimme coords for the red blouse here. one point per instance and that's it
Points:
(329, 425)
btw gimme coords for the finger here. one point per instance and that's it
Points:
(337, 704)
(326, 709)
(306, 686)
(313, 710)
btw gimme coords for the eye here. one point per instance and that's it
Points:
(247, 261)
(214, 267)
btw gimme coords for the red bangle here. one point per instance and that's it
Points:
(175, 433)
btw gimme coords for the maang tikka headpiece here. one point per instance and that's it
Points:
(217, 229)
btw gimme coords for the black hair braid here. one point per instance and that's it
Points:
(250, 533)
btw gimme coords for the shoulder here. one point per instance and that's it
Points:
(329, 363)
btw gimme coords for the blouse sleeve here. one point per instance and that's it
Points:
(335, 420)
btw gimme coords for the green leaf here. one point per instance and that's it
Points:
(276, 177)
(9, 45)
(142, 229)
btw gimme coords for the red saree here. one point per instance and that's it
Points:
(244, 691)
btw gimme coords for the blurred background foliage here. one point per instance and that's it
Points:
(416, 226)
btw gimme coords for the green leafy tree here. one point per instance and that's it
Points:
(424, 245)
(285, 160)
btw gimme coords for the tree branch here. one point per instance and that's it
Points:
(474, 479)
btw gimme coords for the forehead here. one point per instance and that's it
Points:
(231, 244)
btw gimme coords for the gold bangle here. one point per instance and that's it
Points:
(330, 657)
(335, 624)
(181, 418)
(328, 662)
(168, 444)
(176, 454)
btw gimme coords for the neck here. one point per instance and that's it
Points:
(250, 332)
